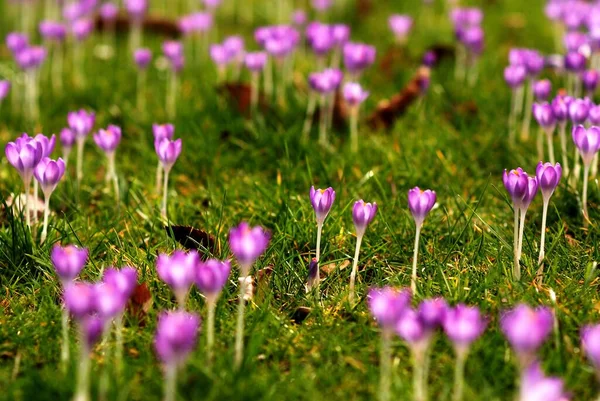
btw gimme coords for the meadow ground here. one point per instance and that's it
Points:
(454, 142)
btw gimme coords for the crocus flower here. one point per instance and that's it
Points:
(321, 200)
(324, 83)
(589, 79)
(537, 387)
(362, 215)
(548, 176)
(590, 341)
(81, 123)
(400, 26)
(168, 151)
(560, 109)
(532, 189)
(354, 95)
(299, 18)
(463, 325)
(211, 277)
(526, 329)
(587, 142)
(179, 272)
(67, 139)
(516, 184)
(142, 57)
(176, 337)
(542, 90)
(247, 244)
(578, 111)
(108, 139)
(110, 301)
(68, 261)
(387, 306)
(358, 56)
(255, 62)
(48, 173)
(420, 204)
(16, 41)
(321, 5)
(108, 11)
(52, 30)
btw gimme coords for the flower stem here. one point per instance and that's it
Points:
(159, 171)
(563, 145)
(413, 282)
(46, 213)
(586, 173)
(516, 266)
(210, 330)
(80, 145)
(239, 332)
(527, 116)
(27, 206)
(323, 120)
(254, 91)
(542, 242)
(310, 112)
(351, 296)
(521, 232)
(64, 354)
(418, 375)
(82, 392)
(385, 365)
(170, 382)
(119, 345)
(459, 375)
(354, 128)
(36, 190)
(540, 144)
(165, 193)
(512, 117)
(550, 147)
(141, 91)
(172, 95)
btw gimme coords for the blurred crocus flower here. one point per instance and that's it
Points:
(136, 8)
(321, 5)
(590, 341)
(67, 140)
(544, 115)
(31, 58)
(589, 79)
(53, 31)
(526, 329)
(178, 271)
(400, 25)
(362, 215)
(420, 204)
(108, 139)
(142, 57)
(81, 123)
(212, 4)
(168, 152)
(68, 261)
(535, 386)
(16, 41)
(299, 18)
(82, 28)
(587, 142)
(175, 339)
(48, 173)
(109, 11)
(542, 90)
(321, 200)
(255, 61)
(4, 89)
(172, 49)
(358, 56)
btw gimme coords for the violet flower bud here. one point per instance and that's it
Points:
(108, 139)
(411, 329)
(109, 11)
(48, 173)
(81, 122)
(211, 277)
(514, 75)
(560, 108)
(80, 299)
(420, 203)
(82, 28)
(299, 18)
(255, 61)
(321, 5)
(362, 215)
(51, 30)
(178, 271)
(67, 138)
(354, 94)
(432, 312)
(142, 57)
(176, 336)
(172, 49)
(594, 115)
(321, 200)
(320, 38)
(125, 279)
(575, 62)
(136, 8)
(168, 151)
(526, 329)
(532, 189)
(219, 55)
(110, 301)
(358, 56)
(68, 261)
(47, 144)
(23, 155)
(574, 40)
(93, 327)
(463, 325)
(400, 26)
(516, 184)
(537, 387)
(387, 305)
(589, 79)
(340, 34)
(161, 131)
(544, 116)
(542, 89)
(31, 57)
(16, 42)
(548, 177)
(590, 341)
(247, 244)
(587, 142)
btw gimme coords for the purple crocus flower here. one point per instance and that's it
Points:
(109, 11)
(172, 49)
(532, 188)
(255, 61)
(548, 176)
(526, 329)
(420, 203)
(80, 299)
(168, 151)
(136, 8)
(587, 142)
(81, 122)
(411, 329)
(16, 42)
(400, 26)
(575, 62)
(325, 82)
(179, 272)
(544, 116)
(542, 89)
(340, 34)
(92, 328)
(594, 115)
(432, 313)
(125, 279)
(590, 79)
(320, 38)
(108, 139)
(211, 277)
(578, 111)
(161, 131)
(358, 56)
(463, 325)
(24, 154)
(535, 386)
(46, 143)
(48, 173)
(299, 18)
(51, 30)
(82, 29)
(354, 94)
(321, 200)
(219, 55)
(387, 304)
(321, 5)
(31, 58)
(176, 336)
(247, 244)
(142, 57)
(110, 301)
(362, 215)
(590, 341)
(515, 183)
(4, 89)
(68, 261)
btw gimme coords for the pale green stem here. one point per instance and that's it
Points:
(512, 117)
(319, 231)
(594, 168)
(268, 80)
(111, 174)
(83, 372)
(36, 191)
(540, 144)
(165, 193)
(210, 330)
(351, 295)
(104, 378)
(413, 282)
(119, 345)
(527, 111)
(170, 382)
(521, 232)
(66, 154)
(516, 266)
(141, 91)
(135, 35)
(172, 95)
(239, 332)
(563, 146)
(27, 206)
(323, 120)
(310, 112)
(550, 148)
(354, 128)
(159, 171)
(80, 145)
(385, 364)
(459, 375)
(542, 241)
(520, 97)
(418, 374)
(64, 354)
(46, 214)
(254, 89)
(586, 173)
(576, 167)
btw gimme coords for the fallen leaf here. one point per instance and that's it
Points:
(192, 238)
(140, 303)
(331, 267)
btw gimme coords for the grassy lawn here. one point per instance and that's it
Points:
(454, 141)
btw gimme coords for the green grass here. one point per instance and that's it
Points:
(262, 174)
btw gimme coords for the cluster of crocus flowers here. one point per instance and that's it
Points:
(81, 124)
(247, 244)
(168, 151)
(321, 200)
(417, 327)
(522, 188)
(324, 84)
(362, 215)
(173, 51)
(354, 95)
(107, 140)
(142, 58)
(420, 204)
(468, 32)
(400, 26)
